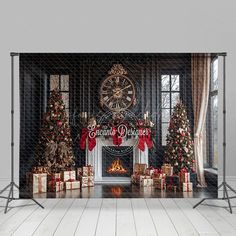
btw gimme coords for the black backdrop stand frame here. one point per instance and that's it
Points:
(224, 185)
(12, 184)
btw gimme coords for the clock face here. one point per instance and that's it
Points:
(117, 93)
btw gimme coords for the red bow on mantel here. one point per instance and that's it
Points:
(91, 136)
(144, 137)
(117, 140)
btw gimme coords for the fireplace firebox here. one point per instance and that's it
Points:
(116, 165)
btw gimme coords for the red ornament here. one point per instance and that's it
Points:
(183, 134)
(59, 123)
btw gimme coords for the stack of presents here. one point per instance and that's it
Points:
(163, 178)
(41, 181)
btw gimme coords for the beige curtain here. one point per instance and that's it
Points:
(200, 66)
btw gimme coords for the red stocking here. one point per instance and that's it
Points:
(92, 139)
(148, 138)
(141, 140)
(117, 140)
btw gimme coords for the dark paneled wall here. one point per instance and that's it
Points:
(87, 71)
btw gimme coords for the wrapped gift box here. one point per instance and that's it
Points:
(140, 168)
(86, 181)
(172, 182)
(37, 182)
(87, 170)
(187, 187)
(55, 186)
(135, 179)
(167, 169)
(146, 182)
(68, 175)
(184, 177)
(159, 183)
(72, 184)
(150, 171)
(79, 172)
(158, 173)
(54, 176)
(143, 177)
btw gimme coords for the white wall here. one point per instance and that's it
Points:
(115, 26)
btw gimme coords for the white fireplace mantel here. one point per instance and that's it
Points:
(94, 157)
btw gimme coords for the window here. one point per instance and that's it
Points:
(170, 95)
(61, 82)
(212, 121)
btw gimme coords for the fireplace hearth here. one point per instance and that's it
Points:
(114, 165)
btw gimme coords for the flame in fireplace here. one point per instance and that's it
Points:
(116, 167)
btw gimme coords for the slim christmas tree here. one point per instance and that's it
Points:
(55, 144)
(179, 149)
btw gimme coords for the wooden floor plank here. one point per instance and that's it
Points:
(107, 219)
(161, 219)
(28, 227)
(142, 217)
(15, 206)
(69, 222)
(200, 223)
(181, 222)
(87, 224)
(9, 226)
(217, 221)
(50, 223)
(125, 218)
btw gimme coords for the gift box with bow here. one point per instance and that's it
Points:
(72, 184)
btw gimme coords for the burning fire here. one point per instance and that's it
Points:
(116, 167)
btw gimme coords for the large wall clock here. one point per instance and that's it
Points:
(117, 91)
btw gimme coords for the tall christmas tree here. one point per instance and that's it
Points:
(179, 149)
(55, 144)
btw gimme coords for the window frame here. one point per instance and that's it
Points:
(209, 121)
(60, 74)
(170, 91)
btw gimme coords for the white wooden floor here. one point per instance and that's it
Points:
(108, 217)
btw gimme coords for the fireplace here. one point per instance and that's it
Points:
(114, 165)
(96, 159)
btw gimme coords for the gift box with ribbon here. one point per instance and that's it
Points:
(143, 177)
(140, 168)
(68, 175)
(135, 179)
(37, 182)
(86, 181)
(172, 182)
(167, 169)
(146, 182)
(55, 185)
(159, 183)
(53, 176)
(72, 184)
(158, 173)
(187, 187)
(184, 176)
(150, 171)
(87, 170)
(79, 171)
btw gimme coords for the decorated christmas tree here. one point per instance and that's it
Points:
(179, 148)
(54, 149)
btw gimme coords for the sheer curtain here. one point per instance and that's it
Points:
(200, 66)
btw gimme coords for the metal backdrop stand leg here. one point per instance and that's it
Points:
(224, 185)
(12, 184)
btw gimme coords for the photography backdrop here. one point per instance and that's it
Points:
(200, 26)
(160, 81)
